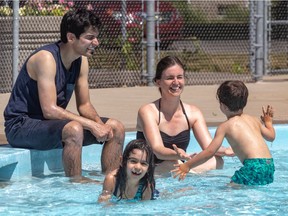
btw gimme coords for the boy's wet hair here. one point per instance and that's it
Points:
(233, 94)
(121, 175)
(77, 22)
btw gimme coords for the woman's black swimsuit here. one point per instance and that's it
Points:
(181, 140)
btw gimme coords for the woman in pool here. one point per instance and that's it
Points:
(168, 121)
(134, 180)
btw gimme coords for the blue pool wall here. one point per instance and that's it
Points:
(16, 163)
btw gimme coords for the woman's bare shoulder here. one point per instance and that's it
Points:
(191, 107)
(147, 115)
(193, 112)
(152, 106)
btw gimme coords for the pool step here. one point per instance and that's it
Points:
(16, 163)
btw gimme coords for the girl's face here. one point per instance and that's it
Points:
(137, 164)
(172, 80)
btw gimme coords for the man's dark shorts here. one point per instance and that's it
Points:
(41, 134)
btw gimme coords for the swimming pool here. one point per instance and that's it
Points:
(199, 194)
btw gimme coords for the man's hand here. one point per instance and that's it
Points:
(102, 132)
(181, 171)
(181, 153)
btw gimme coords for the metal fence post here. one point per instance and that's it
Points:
(252, 36)
(15, 54)
(271, 23)
(265, 37)
(259, 45)
(150, 41)
(123, 29)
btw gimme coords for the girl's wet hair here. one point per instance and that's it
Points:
(77, 22)
(233, 94)
(121, 175)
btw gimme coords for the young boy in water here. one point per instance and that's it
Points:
(245, 135)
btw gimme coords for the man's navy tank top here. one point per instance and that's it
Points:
(24, 99)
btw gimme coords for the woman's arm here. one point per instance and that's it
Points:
(202, 134)
(147, 122)
(199, 127)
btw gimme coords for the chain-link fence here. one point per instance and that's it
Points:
(212, 38)
(278, 37)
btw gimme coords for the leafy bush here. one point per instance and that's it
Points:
(40, 8)
(6, 11)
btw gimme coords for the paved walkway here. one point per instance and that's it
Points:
(123, 103)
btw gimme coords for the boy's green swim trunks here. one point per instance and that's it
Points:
(256, 171)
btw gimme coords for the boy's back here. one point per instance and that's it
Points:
(245, 135)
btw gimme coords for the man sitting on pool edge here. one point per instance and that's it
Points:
(36, 115)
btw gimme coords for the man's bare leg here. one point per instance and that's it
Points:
(72, 137)
(112, 149)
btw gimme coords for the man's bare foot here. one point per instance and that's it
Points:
(83, 180)
(95, 173)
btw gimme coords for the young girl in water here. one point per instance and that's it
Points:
(134, 180)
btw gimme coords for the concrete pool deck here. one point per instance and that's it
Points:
(123, 103)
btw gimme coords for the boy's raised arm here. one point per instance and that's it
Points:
(268, 132)
(181, 170)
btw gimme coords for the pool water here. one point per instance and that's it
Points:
(198, 194)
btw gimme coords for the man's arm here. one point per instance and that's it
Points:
(84, 105)
(42, 67)
(85, 108)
